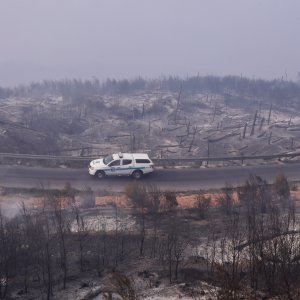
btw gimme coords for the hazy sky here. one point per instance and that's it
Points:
(55, 39)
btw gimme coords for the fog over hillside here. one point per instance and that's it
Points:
(55, 39)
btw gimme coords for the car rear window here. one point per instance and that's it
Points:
(142, 161)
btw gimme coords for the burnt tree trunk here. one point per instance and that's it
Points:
(253, 125)
(270, 112)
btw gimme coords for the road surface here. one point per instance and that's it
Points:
(173, 179)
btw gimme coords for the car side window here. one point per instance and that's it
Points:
(115, 163)
(126, 162)
(142, 161)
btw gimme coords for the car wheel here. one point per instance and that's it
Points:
(137, 174)
(100, 174)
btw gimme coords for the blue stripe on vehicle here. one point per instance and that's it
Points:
(118, 169)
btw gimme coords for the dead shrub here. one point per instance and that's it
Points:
(87, 198)
(121, 286)
(281, 186)
(226, 201)
(169, 202)
(202, 205)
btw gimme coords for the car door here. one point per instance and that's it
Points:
(114, 168)
(125, 167)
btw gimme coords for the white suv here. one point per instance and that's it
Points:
(130, 164)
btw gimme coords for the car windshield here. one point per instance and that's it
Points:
(107, 159)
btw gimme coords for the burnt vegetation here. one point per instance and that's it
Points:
(244, 245)
(167, 117)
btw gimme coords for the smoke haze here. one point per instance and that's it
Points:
(56, 39)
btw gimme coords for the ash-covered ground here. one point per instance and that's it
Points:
(165, 118)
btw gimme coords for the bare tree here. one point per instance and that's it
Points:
(81, 231)
(4, 257)
(244, 131)
(270, 112)
(202, 205)
(101, 246)
(254, 122)
(47, 250)
(62, 225)
(230, 270)
(226, 201)
(178, 103)
(175, 245)
(137, 193)
(154, 201)
(193, 138)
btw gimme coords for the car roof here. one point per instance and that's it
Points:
(131, 155)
